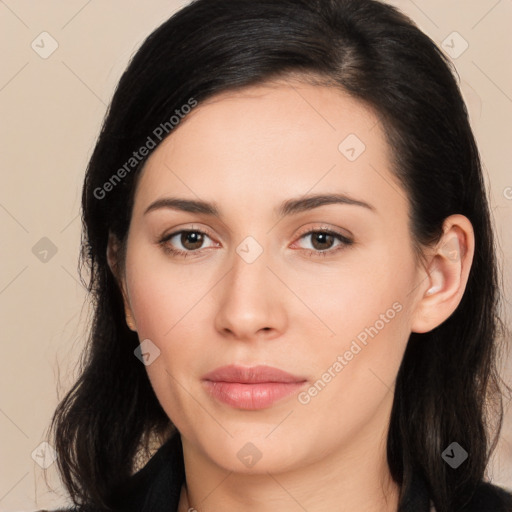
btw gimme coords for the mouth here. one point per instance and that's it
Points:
(251, 388)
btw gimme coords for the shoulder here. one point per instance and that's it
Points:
(490, 498)
(156, 486)
(59, 510)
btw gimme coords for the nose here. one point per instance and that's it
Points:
(251, 300)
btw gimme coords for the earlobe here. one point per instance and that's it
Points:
(113, 263)
(447, 275)
(130, 322)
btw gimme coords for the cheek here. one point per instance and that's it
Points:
(163, 307)
(161, 292)
(167, 301)
(367, 283)
(367, 309)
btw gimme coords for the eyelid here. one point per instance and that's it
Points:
(166, 237)
(195, 228)
(325, 229)
(345, 240)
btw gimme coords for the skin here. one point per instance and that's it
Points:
(248, 151)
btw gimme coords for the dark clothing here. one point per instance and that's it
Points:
(157, 487)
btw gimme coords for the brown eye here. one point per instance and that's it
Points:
(322, 241)
(192, 240)
(185, 242)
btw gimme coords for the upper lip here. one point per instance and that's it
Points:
(252, 375)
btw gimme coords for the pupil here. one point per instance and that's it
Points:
(193, 238)
(322, 237)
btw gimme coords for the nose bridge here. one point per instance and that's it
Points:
(250, 249)
(249, 274)
(249, 301)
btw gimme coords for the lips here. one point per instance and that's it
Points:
(251, 375)
(253, 388)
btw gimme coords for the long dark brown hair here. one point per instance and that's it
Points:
(448, 386)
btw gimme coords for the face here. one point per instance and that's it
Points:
(320, 289)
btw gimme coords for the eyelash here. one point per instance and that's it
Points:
(311, 252)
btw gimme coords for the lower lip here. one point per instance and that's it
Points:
(251, 396)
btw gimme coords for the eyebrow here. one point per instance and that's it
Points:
(288, 207)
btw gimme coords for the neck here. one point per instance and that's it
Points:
(385, 500)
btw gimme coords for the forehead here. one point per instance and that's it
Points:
(272, 141)
(291, 110)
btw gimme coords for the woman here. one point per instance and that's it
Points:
(294, 274)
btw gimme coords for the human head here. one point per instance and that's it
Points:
(386, 64)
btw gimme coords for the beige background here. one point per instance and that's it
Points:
(51, 110)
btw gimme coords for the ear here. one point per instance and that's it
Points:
(447, 275)
(113, 259)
